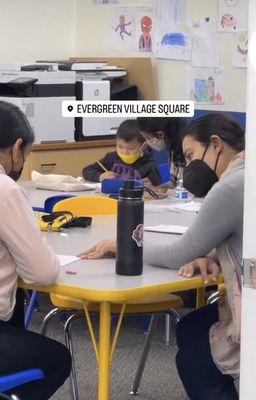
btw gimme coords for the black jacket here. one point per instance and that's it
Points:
(144, 167)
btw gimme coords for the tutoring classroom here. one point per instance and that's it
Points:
(127, 199)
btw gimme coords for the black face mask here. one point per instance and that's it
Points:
(198, 177)
(15, 175)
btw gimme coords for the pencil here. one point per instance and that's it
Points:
(102, 166)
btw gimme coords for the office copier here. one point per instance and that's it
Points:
(38, 90)
(97, 81)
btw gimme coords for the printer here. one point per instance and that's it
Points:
(38, 90)
(96, 81)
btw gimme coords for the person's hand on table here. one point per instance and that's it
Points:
(108, 175)
(105, 248)
(205, 266)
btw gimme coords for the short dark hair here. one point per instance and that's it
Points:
(221, 124)
(129, 130)
(171, 127)
(14, 125)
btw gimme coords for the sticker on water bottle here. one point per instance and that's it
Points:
(137, 235)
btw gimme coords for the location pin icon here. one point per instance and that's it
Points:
(70, 108)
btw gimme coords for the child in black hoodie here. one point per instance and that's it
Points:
(128, 161)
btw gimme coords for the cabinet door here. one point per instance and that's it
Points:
(66, 162)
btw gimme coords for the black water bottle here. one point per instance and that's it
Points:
(130, 217)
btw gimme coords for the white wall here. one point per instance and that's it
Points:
(92, 25)
(33, 29)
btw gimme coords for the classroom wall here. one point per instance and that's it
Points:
(33, 29)
(91, 40)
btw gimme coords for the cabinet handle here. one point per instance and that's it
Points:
(48, 165)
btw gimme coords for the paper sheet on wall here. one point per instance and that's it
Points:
(100, 2)
(145, 28)
(240, 49)
(233, 15)
(122, 28)
(173, 41)
(170, 10)
(206, 43)
(205, 85)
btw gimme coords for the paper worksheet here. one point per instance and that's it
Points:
(173, 229)
(65, 260)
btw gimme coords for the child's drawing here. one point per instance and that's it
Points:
(240, 49)
(145, 41)
(121, 27)
(174, 42)
(233, 15)
(205, 86)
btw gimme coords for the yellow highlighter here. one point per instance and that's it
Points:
(102, 166)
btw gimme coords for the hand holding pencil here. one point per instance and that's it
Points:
(107, 174)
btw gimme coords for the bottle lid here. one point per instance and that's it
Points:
(130, 190)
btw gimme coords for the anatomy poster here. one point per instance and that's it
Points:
(233, 15)
(205, 44)
(205, 85)
(173, 41)
(122, 28)
(240, 49)
(144, 28)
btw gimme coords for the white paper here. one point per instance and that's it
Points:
(240, 49)
(65, 260)
(233, 15)
(144, 28)
(100, 2)
(170, 10)
(205, 85)
(173, 229)
(122, 28)
(205, 44)
(189, 206)
(193, 206)
(173, 41)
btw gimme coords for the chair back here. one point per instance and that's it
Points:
(87, 205)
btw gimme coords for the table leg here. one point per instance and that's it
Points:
(200, 297)
(104, 351)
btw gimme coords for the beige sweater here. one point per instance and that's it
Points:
(24, 252)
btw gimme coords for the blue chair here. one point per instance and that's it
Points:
(12, 381)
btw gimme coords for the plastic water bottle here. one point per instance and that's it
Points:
(181, 193)
(130, 218)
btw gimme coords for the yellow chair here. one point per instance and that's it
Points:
(87, 205)
(96, 205)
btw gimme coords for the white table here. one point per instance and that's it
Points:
(96, 281)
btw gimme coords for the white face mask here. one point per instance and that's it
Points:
(156, 143)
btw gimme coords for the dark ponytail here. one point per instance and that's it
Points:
(14, 125)
(220, 124)
(171, 127)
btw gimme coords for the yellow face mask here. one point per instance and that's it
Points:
(129, 158)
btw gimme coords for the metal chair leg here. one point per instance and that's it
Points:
(68, 341)
(214, 298)
(167, 329)
(47, 319)
(141, 366)
(168, 315)
(52, 314)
